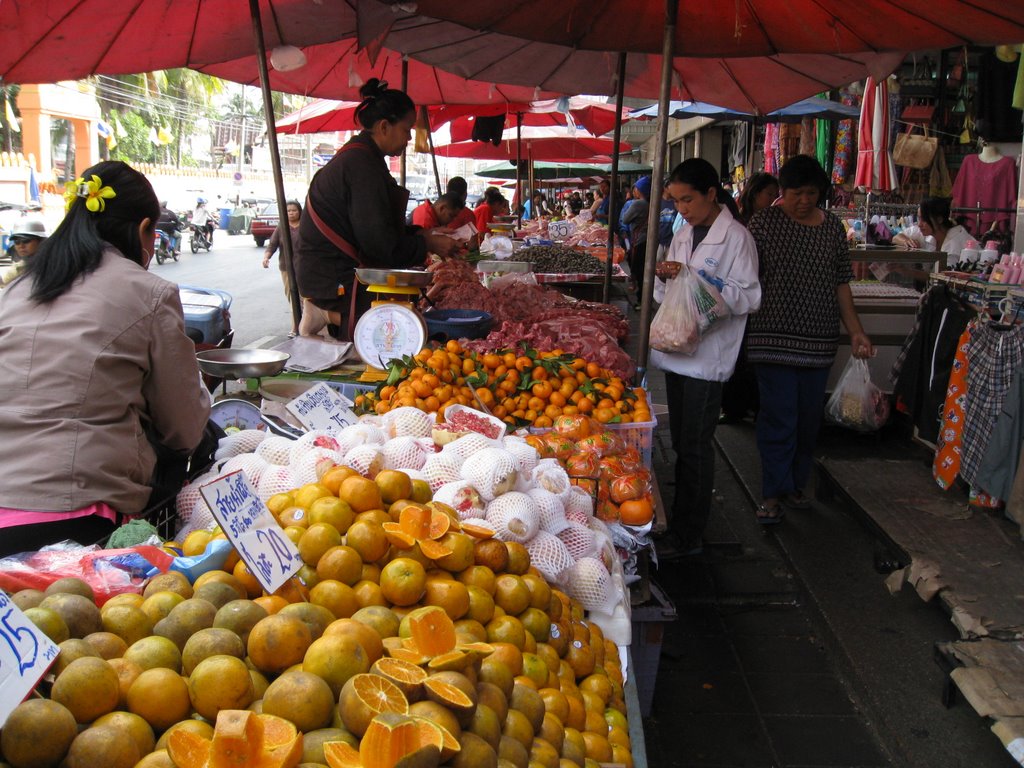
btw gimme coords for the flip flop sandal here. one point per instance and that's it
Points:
(770, 515)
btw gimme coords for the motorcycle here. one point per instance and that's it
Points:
(163, 249)
(200, 239)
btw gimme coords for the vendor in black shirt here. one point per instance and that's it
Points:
(355, 216)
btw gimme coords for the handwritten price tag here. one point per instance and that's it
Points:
(260, 541)
(559, 230)
(25, 655)
(323, 408)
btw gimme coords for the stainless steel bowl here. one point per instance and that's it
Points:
(396, 278)
(241, 363)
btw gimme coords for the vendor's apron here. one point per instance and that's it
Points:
(360, 298)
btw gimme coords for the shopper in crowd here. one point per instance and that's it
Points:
(760, 191)
(536, 207)
(792, 340)
(575, 203)
(717, 246)
(599, 208)
(634, 218)
(96, 427)
(355, 215)
(26, 237)
(294, 209)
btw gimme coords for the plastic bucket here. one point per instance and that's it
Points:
(444, 324)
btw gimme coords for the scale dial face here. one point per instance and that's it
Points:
(388, 331)
(236, 415)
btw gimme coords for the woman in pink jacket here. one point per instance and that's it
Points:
(97, 374)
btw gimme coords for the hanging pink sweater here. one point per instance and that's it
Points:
(986, 185)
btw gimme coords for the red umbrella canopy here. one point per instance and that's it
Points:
(756, 84)
(48, 40)
(595, 117)
(325, 115)
(555, 149)
(336, 70)
(748, 28)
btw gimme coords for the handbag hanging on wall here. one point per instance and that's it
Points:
(915, 151)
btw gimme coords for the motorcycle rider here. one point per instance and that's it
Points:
(26, 237)
(170, 225)
(201, 218)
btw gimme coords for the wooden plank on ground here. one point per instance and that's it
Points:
(991, 678)
(970, 560)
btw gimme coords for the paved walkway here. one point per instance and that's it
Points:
(789, 649)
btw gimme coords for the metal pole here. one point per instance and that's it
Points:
(275, 158)
(405, 149)
(519, 166)
(657, 171)
(620, 92)
(433, 155)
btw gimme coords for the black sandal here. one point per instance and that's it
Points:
(770, 515)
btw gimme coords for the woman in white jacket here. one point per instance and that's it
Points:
(716, 245)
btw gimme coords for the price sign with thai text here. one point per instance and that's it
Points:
(25, 655)
(323, 408)
(249, 526)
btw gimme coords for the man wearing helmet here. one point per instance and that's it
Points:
(201, 218)
(26, 237)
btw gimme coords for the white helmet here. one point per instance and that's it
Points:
(30, 228)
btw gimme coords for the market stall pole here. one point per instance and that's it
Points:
(519, 163)
(616, 138)
(405, 89)
(275, 159)
(657, 177)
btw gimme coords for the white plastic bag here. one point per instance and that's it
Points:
(691, 306)
(856, 402)
(674, 328)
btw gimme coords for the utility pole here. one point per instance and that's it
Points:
(241, 148)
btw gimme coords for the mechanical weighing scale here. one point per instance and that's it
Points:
(392, 327)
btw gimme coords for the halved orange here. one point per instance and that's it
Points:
(405, 674)
(398, 537)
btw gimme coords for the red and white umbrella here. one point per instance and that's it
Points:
(875, 169)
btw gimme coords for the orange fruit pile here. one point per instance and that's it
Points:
(533, 388)
(382, 653)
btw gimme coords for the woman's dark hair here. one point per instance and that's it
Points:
(936, 211)
(296, 203)
(756, 184)
(76, 247)
(382, 103)
(702, 176)
(804, 171)
(493, 195)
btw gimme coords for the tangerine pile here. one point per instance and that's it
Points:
(527, 389)
(404, 640)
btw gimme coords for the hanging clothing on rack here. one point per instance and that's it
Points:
(808, 141)
(926, 360)
(824, 134)
(948, 447)
(996, 352)
(1003, 453)
(986, 185)
(771, 149)
(845, 141)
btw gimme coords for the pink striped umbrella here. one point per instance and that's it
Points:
(875, 169)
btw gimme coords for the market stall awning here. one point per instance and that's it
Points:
(569, 113)
(553, 148)
(750, 28)
(336, 71)
(322, 115)
(50, 40)
(816, 107)
(545, 171)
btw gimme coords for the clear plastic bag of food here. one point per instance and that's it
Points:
(856, 402)
(691, 306)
